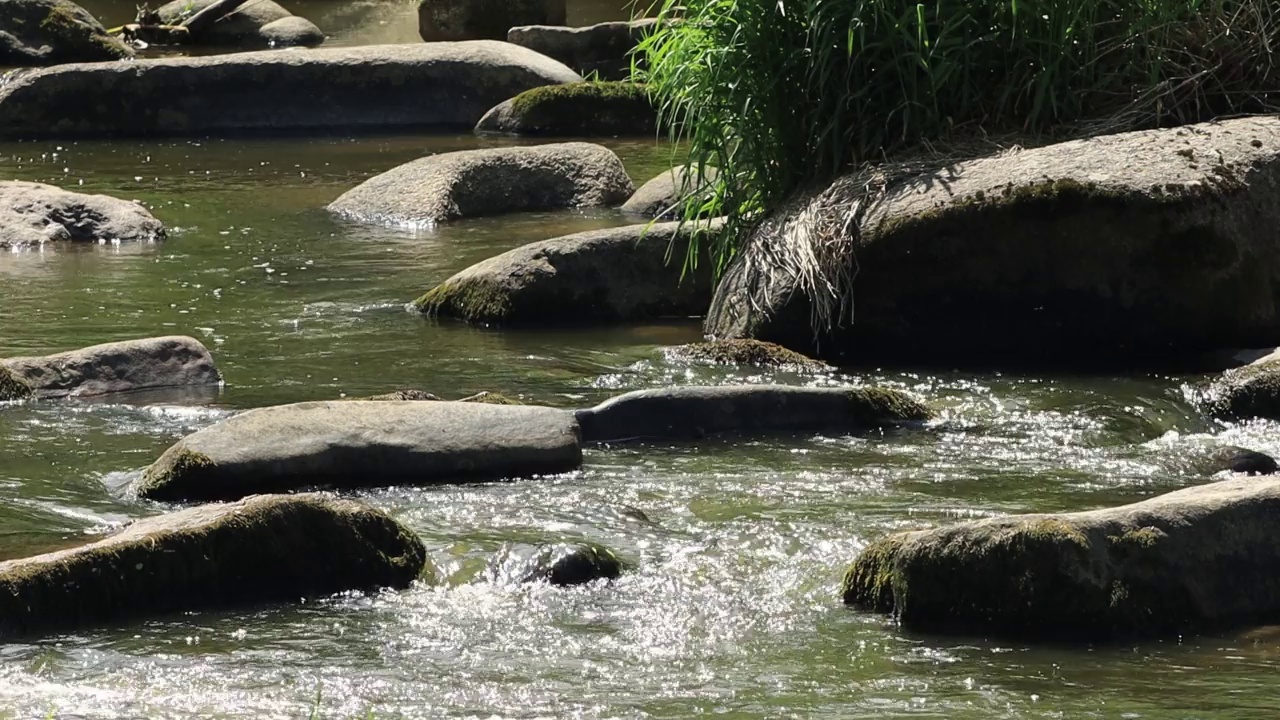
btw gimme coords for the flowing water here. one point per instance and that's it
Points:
(732, 607)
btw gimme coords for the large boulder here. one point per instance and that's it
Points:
(484, 19)
(1198, 559)
(603, 49)
(1118, 248)
(255, 24)
(664, 196)
(356, 443)
(475, 183)
(1248, 391)
(32, 214)
(691, 412)
(160, 362)
(594, 109)
(48, 32)
(626, 273)
(268, 548)
(370, 88)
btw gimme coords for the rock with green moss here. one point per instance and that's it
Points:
(1245, 392)
(13, 387)
(493, 181)
(666, 196)
(48, 32)
(588, 109)
(619, 274)
(563, 565)
(1125, 248)
(268, 548)
(415, 395)
(746, 352)
(256, 24)
(354, 444)
(440, 20)
(690, 412)
(373, 88)
(604, 49)
(1200, 559)
(119, 367)
(33, 214)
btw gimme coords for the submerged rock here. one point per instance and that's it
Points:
(690, 412)
(746, 352)
(588, 109)
(664, 196)
(48, 32)
(127, 366)
(626, 273)
(268, 548)
(34, 213)
(1248, 391)
(256, 24)
(1247, 462)
(350, 443)
(1198, 559)
(370, 88)
(483, 19)
(562, 565)
(1131, 246)
(603, 49)
(476, 183)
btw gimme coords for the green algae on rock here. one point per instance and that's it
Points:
(587, 109)
(1198, 559)
(268, 548)
(745, 352)
(49, 32)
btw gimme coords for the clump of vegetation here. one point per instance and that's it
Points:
(746, 352)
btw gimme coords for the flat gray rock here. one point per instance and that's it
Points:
(48, 32)
(1200, 559)
(663, 196)
(604, 48)
(324, 90)
(357, 443)
(476, 183)
(131, 365)
(626, 273)
(269, 548)
(691, 411)
(32, 214)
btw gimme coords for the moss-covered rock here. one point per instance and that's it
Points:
(746, 352)
(689, 412)
(48, 32)
(1245, 392)
(588, 109)
(13, 388)
(268, 548)
(1198, 559)
(563, 565)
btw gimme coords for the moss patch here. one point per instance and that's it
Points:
(469, 300)
(873, 407)
(747, 352)
(581, 109)
(531, 101)
(11, 388)
(79, 40)
(164, 472)
(868, 583)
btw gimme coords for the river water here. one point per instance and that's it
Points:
(732, 609)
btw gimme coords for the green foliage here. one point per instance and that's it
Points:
(782, 93)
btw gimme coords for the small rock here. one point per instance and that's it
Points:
(258, 23)
(664, 196)
(127, 366)
(746, 352)
(603, 49)
(1248, 462)
(32, 214)
(562, 565)
(292, 31)
(484, 19)
(588, 109)
(1248, 391)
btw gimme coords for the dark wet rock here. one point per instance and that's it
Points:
(690, 412)
(48, 32)
(603, 49)
(1245, 392)
(597, 276)
(415, 395)
(588, 109)
(1199, 559)
(268, 548)
(131, 365)
(664, 196)
(1241, 460)
(564, 565)
(32, 214)
(351, 444)
(483, 19)
(256, 24)
(370, 88)
(476, 183)
(746, 352)
(1136, 246)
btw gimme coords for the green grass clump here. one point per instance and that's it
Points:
(782, 94)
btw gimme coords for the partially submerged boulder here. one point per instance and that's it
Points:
(1243, 461)
(1199, 559)
(691, 412)
(268, 548)
(563, 565)
(626, 273)
(475, 183)
(131, 365)
(746, 352)
(255, 24)
(1122, 247)
(664, 196)
(483, 19)
(352, 443)
(48, 32)
(603, 49)
(372, 88)
(32, 214)
(588, 109)
(1248, 391)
